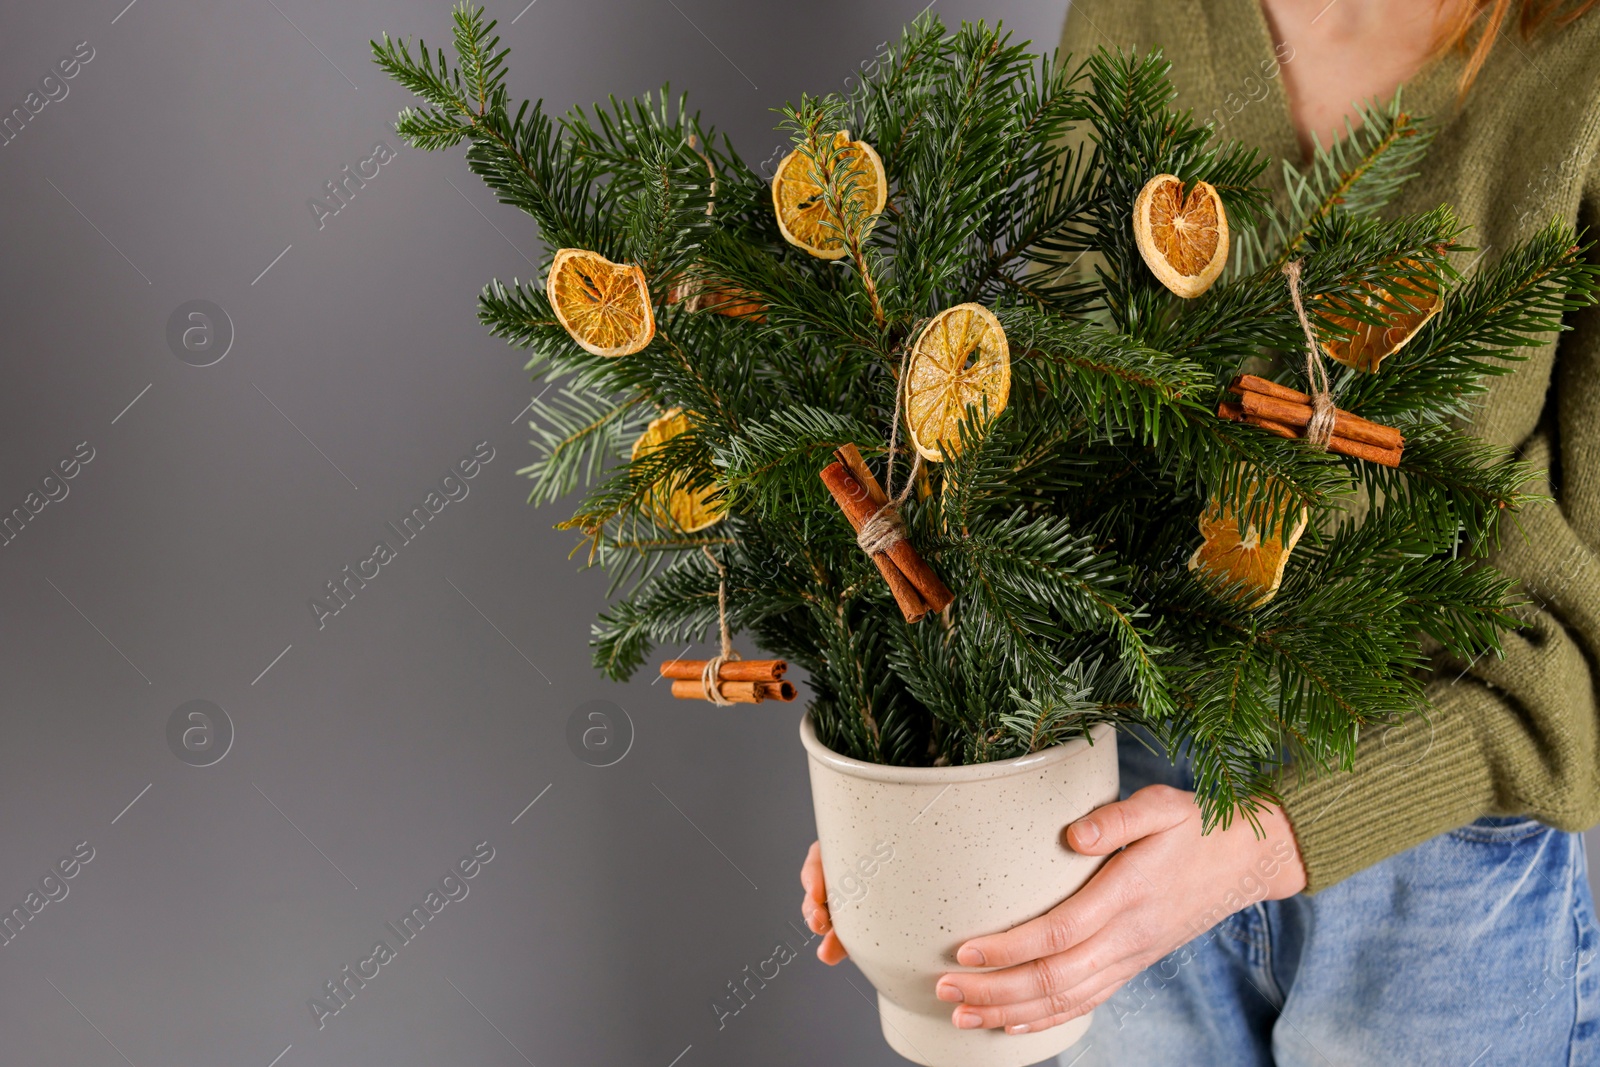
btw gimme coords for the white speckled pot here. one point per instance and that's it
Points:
(919, 859)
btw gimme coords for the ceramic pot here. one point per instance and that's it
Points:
(920, 859)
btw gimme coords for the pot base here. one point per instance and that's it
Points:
(933, 1041)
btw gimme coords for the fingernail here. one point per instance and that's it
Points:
(949, 991)
(968, 1020)
(969, 957)
(1088, 832)
(1020, 1028)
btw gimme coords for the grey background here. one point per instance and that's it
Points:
(371, 754)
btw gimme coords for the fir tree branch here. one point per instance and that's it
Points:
(1065, 514)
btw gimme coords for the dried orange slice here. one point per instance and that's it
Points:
(673, 504)
(729, 300)
(605, 306)
(1367, 344)
(961, 358)
(799, 195)
(1249, 564)
(1183, 239)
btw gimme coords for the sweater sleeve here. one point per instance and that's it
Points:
(1512, 735)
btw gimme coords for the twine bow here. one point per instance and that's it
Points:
(708, 675)
(1319, 431)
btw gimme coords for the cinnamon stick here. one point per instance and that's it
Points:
(1283, 404)
(736, 692)
(1299, 415)
(687, 690)
(1254, 384)
(1342, 445)
(1387, 457)
(853, 500)
(850, 456)
(912, 606)
(733, 670)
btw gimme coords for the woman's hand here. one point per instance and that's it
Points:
(1166, 887)
(814, 906)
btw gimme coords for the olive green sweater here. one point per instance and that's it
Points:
(1506, 736)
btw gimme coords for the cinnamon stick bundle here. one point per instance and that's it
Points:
(1342, 445)
(732, 670)
(1286, 412)
(916, 588)
(747, 692)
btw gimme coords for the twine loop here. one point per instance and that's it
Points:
(709, 686)
(885, 528)
(1319, 431)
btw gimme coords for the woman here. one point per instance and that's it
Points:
(1431, 906)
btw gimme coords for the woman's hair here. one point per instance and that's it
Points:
(1476, 25)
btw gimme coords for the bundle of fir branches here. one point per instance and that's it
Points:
(1063, 523)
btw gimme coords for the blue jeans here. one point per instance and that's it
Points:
(1475, 948)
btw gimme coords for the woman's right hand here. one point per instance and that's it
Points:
(815, 907)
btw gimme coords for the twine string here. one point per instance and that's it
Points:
(894, 426)
(1319, 431)
(885, 528)
(710, 686)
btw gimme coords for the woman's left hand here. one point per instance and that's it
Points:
(1168, 885)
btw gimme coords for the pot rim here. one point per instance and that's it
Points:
(972, 772)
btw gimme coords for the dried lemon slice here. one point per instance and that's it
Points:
(1183, 239)
(960, 358)
(1250, 564)
(799, 195)
(1367, 344)
(673, 504)
(605, 306)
